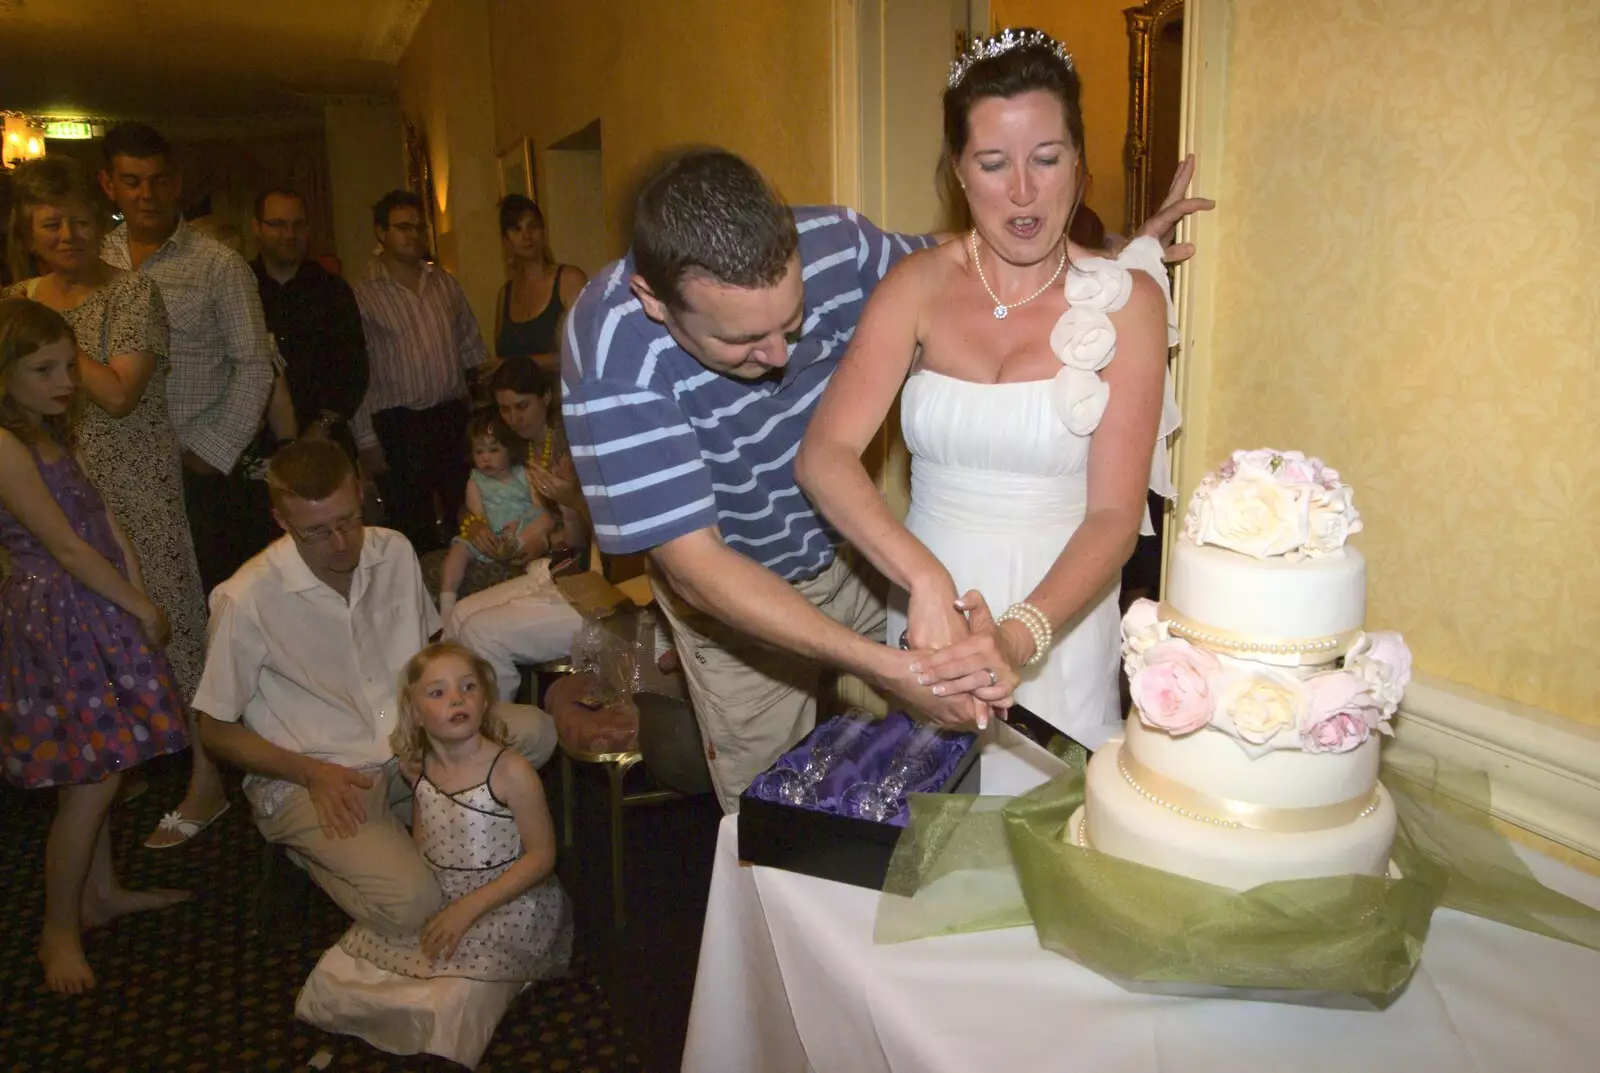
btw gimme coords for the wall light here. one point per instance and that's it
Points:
(24, 139)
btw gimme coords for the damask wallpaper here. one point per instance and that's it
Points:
(1407, 287)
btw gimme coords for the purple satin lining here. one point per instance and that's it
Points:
(867, 760)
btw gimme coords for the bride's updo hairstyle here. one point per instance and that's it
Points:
(1009, 64)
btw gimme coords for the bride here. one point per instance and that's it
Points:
(1036, 396)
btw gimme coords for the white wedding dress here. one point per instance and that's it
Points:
(999, 484)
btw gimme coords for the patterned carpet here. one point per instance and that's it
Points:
(198, 987)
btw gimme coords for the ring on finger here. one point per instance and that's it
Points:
(994, 679)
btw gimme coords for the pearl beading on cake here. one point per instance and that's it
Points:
(1169, 806)
(1201, 817)
(1285, 648)
(1282, 651)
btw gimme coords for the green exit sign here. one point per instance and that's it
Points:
(68, 130)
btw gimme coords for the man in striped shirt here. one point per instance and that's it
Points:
(690, 370)
(421, 338)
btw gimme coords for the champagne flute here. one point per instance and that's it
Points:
(915, 760)
(799, 788)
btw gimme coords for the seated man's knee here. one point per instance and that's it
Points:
(533, 732)
(407, 910)
(468, 631)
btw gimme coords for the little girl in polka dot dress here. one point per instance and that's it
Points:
(481, 822)
(85, 691)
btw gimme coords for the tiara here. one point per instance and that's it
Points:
(987, 48)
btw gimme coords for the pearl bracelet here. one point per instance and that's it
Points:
(1035, 622)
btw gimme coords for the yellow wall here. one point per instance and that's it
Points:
(753, 77)
(1097, 35)
(366, 157)
(446, 93)
(1406, 247)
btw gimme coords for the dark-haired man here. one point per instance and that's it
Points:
(307, 644)
(313, 317)
(222, 361)
(690, 370)
(421, 339)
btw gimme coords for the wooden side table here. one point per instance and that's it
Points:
(606, 737)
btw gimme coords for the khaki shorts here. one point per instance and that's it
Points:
(753, 701)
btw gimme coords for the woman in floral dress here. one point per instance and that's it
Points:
(125, 438)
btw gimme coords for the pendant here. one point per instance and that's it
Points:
(1000, 312)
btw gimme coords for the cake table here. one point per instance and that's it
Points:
(790, 980)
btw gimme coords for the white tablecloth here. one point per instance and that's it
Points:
(790, 980)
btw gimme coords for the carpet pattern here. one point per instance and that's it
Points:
(199, 987)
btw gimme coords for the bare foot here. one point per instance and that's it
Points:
(121, 902)
(66, 971)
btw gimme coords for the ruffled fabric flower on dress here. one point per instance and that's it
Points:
(1085, 341)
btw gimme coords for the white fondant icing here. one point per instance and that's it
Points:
(1210, 762)
(1268, 598)
(1124, 824)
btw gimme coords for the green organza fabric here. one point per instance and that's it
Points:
(976, 863)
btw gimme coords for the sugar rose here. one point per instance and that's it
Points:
(1339, 733)
(1142, 629)
(1332, 519)
(1253, 515)
(1173, 690)
(1341, 714)
(1382, 660)
(1262, 703)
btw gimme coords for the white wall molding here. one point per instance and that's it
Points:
(1544, 770)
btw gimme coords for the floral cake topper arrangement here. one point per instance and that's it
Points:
(1179, 687)
(1267, 503)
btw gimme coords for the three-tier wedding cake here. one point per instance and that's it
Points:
(1251, 753)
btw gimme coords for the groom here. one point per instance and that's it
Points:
(690, 369)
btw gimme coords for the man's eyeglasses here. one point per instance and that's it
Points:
(321, 534)
(285, 225)
(407, 229)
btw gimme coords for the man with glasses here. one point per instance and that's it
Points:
(313, 317)
(300, 689)
(421, 339)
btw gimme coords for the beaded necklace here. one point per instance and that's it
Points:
(546, 452)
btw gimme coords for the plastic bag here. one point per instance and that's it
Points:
(615, 646)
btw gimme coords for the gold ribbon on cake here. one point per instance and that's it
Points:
(1185, 800)
(1279, 651)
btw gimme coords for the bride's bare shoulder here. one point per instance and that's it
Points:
(932, 267)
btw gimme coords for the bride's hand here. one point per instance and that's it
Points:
(984, 664)
(1164, 222)
(932, 620)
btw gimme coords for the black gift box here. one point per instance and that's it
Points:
(829, 845)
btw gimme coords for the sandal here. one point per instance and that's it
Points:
(176, 821)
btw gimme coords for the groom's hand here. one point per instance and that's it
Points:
(984, 664)
(932, 620)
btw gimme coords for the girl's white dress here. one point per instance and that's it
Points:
(999, 483)
(385, 991)
(469, 839)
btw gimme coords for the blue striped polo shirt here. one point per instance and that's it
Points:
(664, 446)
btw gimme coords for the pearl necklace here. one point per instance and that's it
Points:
(1000, 308)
